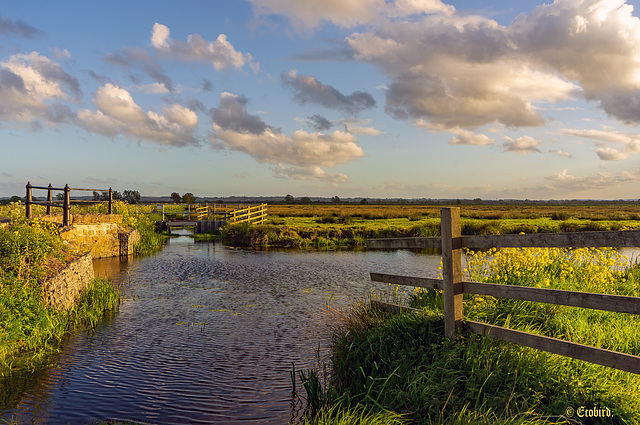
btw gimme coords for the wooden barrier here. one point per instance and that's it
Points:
(66, 201)
(451, 242)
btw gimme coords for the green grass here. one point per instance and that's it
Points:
(404, 364)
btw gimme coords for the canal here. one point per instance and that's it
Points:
(204, 334)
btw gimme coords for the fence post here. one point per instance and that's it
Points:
(49, 199)
(27, 201)
(110, 201)
(66, 206)
(451, 270)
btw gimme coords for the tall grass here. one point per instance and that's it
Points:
(30, 251)
(403, 363)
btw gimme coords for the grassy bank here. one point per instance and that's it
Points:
(404, 364)
(345, 226)
(30, 252)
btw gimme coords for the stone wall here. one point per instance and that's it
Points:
(100, 234)
(63, 290)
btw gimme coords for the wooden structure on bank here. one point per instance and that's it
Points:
(451, 242)
(66, 202)
(207, 217)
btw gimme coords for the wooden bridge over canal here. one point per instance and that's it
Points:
(207, 217)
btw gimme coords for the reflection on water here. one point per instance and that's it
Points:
(205, 334)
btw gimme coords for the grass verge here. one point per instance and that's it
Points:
(404, 364)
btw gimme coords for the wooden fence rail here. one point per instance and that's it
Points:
(230, 213)
(66, 200)
(451, 242)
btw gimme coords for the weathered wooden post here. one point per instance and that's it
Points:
(451, 270)
(66, 206)
(27, 201)
(49, 199)
(110, 201)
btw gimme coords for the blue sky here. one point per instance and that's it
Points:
(361, 98)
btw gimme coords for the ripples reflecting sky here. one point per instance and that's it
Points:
(205, 334)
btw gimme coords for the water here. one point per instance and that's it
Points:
(205, 334)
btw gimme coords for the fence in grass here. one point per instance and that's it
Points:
(229, 213)
(451, 243)
(64, 203)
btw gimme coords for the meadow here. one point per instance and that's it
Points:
(349, 225)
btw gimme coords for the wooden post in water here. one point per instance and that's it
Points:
(66, 206)
(451, 270)
(49, 199)
(27, 201)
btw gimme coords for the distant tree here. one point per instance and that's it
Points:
(188, 198)
(335, 199)
(305, 200)
(364, 201)
(131, 196)
(60, 196)
(176, 197)
(96, 196)
(289, 199)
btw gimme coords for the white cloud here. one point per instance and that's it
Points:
(611, 154)
(219, 53)
(561, 153)
(629, 141)
(306, 14)
(33, 87)
(310, 173)
(602, 180)
(524, 144)
(117, 113)
(462, 136)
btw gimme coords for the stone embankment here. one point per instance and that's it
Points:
(92, 236)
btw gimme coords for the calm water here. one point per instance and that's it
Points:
(205, 334)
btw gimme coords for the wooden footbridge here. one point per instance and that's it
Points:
(207, 217)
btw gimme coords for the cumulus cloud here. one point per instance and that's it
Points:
(33, 87)
(360, 126)
(219, 53)
(19, 28)
(561, 153)
(309, 90)
(118, 114)
(466, 71)
(236, 129)
(306, 14)
(462, 136)
(311, 173)
(626, 142)
(601, 180)
(524, 144)
(132, 59)
(318, 123)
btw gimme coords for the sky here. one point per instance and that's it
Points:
(490, 99)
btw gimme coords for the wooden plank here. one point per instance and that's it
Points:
(422, 282)
(615, 303)
(451, 270)
(403, 243)
(601, 356)
(620, 238)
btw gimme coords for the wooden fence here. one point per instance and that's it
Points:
(229, 213)
(451, 242)
(65, 204)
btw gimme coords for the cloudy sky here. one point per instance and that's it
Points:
(363, 98)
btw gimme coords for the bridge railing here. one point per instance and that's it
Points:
(453, 287)
(65, 204)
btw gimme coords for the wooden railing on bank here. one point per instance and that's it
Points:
(229, 213)
(65, 203)
(451, 242)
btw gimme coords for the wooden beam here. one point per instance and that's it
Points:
(620, 238)
(422, 282)
(451, 270)
(616, 303)
(403, 243)
(601, 356)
